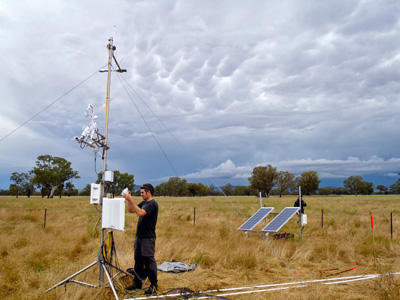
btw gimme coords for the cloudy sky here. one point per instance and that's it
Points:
(213, 88)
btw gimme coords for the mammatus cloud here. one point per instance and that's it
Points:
(300, 85)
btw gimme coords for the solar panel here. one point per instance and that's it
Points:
(281, 219)
(256, 218)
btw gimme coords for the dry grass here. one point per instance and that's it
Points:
(34, 259)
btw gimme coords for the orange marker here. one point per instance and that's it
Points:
(372, 222)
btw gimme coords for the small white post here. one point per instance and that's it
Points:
(262, 223)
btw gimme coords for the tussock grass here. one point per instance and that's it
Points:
(33, 258)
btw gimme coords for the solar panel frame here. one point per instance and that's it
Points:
(281, 219)
(256, 218)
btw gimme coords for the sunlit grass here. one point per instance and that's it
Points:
(34, 258)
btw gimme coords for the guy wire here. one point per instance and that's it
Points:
(137, 108)
(148, 127)
(46, 107)
(155, 115)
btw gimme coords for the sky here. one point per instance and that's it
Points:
(212, 88)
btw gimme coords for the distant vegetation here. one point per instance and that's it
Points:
(54, 176)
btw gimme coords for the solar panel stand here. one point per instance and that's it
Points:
(256, 218)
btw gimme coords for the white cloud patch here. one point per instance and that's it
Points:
(325, 168)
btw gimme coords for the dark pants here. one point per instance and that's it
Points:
(145, 263)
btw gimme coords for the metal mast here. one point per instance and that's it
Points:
(100, 141)
(111, 48)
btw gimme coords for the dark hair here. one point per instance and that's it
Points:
(148, 187)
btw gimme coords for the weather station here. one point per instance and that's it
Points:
(112, 210)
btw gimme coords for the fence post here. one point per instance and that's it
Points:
(322, 219)
(45, 213)
(391, 226)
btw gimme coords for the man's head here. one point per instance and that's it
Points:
(146, 191)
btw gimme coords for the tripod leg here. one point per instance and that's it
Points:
(110, 281)
(66, 280)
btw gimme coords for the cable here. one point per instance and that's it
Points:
(55, 101)
(148, 127)
(162, 150)
(155, 115)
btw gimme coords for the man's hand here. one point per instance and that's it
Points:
(127, 196)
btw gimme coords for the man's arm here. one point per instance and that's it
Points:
(132, 206)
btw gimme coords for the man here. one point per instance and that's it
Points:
(145, 241)
(303, 203)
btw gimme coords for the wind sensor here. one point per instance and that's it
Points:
(90, 135)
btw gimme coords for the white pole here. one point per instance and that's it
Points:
(101, 245)
(262, 223)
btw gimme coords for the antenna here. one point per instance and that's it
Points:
(91, 137)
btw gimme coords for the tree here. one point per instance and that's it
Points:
(394, 188)
(27, 184)
(121, 181)
(340, 191)
(227, 189)
(192, 189)
(18, 179)
(197, 189)
(242, 190)
(52, 172)
(367, 188)
(13, 190)
(309, 182)
(285, 182)
(263, 179)
(213, 190)
(381, 188)
(176, 187)
(22, 184)
(325, 191)
(354, 184)
(86, 190)
(70, 189)
(161, 189)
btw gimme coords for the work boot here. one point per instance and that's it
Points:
(152, 290)
(133, 287)
(131, 271)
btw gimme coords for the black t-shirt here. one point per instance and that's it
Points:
(146, 227)
(303, 204)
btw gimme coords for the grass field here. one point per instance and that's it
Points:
(33, 258)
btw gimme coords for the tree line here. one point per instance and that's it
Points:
(54, 175)
(50, 174)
